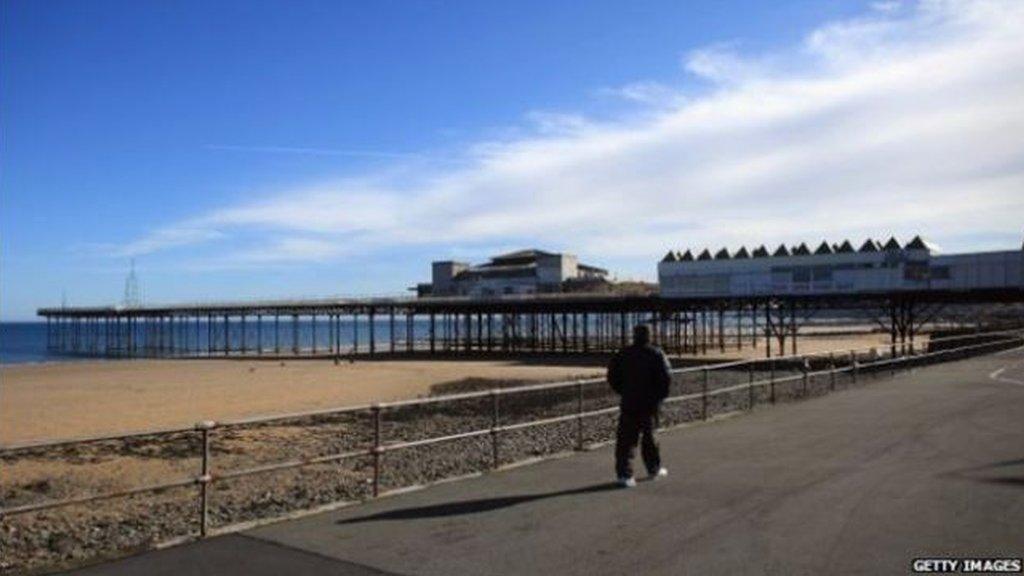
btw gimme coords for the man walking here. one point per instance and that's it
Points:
(639, 374)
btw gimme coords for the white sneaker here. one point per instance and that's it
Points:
(627, 482)
(660, 473)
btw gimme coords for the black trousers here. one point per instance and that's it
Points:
(634, 427)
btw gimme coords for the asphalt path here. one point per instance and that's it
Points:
(862, 481)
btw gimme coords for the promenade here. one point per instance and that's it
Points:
(930, 463)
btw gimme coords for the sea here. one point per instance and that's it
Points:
(25, 342)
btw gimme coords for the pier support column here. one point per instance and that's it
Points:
(312, 318)
(793, 325)
(622, 330)
(586, 332)
(753, 325)
(410, 331)
(433, 330)
(739, 327)
(391, 329)
(490, 331)
(330, 335)
(277, 334)
(373, 333)
(721, 330)
(295, 334)
(355, 332)
(259, 335)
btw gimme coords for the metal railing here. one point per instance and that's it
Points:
(855, 363)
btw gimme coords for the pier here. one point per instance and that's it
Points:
(509, 325)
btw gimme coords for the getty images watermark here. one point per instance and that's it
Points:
(965, 565)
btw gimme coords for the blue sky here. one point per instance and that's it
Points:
(246, 150)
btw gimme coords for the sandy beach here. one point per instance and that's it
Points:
(73, 399)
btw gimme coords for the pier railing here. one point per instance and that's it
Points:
(746, 382)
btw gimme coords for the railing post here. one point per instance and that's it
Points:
(704, 395)
(771, 381)
(805, 367)
(495, 419)
(854, 365)
(376, 449)
(579, 416)
(205, 478)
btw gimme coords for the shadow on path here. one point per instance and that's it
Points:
(972, 473)
(474, 506)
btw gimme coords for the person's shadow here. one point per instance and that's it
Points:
(474, 506)
(994, 473)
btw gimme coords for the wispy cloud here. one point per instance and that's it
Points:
(647, 93)
(309, 151)
(175, 236)
(909, 118)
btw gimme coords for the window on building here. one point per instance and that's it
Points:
(915, 271)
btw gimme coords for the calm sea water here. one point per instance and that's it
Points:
(22, 342)
(25, 342)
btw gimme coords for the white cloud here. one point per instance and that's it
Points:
(722, 64)
(183, 234)
(886, 6)
(647, 92)
(907, 119)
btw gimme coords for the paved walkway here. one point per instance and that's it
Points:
(858, 482)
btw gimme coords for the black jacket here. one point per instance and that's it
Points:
(640, 375)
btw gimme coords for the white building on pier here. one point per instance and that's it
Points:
(521, 272)
(836, 268)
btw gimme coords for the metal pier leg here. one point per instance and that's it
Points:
(622, 329)
(704, 331)
(355, 332)
(227, 336)
(739, 328)
(313, 329)
(433, 329)
(721, 330)
(792, 323)
(410, 331)
(295, 334)
(586, 332)
(373, 331)
(391, 329)
(753, 325)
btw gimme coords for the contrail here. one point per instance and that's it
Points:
(309, 151)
